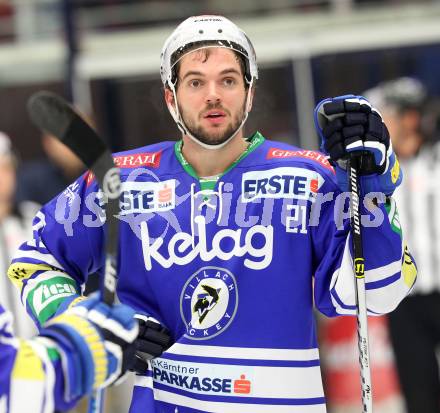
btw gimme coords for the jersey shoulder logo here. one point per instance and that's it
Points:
(277, 153)
(137, 160)
(132, 161)
(208, 302)
(146, 197)
(284, 182)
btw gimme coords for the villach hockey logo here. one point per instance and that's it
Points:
(208, 302)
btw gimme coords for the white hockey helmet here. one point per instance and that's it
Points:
(208, 31)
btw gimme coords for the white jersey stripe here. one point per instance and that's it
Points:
(6, 319)
(245, 352)
(38, 256)
(380, 273)
(10, 341)
(220, 407)
(342, 285)
(143, 381)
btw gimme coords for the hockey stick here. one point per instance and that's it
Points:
(353, 166)
(54, 115)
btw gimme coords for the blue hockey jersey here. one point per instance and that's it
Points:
(232, 265)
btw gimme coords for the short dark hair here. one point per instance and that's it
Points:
(206, 51)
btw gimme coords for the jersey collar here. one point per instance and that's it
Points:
(209, 183)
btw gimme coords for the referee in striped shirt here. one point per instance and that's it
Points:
(415, 324)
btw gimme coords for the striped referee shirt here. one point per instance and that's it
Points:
(418, 199)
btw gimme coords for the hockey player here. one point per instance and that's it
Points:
(227, 240)
(87, 347)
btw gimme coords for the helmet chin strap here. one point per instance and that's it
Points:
(175, 113)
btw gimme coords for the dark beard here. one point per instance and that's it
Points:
(214, 140)
(218, 139)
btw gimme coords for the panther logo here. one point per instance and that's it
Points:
(206, 301)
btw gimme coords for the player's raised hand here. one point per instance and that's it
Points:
(96, 343)
(349, 124)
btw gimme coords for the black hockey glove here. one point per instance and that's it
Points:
(349, 124)
(153, 339)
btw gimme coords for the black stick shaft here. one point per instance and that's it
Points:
(353, 166)
(109, 181)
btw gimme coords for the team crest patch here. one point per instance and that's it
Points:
(208, 302)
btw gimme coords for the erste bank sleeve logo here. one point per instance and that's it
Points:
(145, 197)
(283, 182)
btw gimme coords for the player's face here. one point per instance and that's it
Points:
(211, 94)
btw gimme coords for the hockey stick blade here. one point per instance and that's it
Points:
(54, 115)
